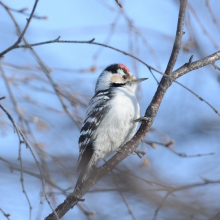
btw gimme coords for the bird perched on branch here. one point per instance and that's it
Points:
(110, 117)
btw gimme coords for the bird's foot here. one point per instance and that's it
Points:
(141, 119)
(94, 167)
(119, 150)
(76, 198)
(139, 153)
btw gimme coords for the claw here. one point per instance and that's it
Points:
(119, 150)
(141, 119)
(140, 153)
(94, 167)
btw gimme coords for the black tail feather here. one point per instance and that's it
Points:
(84, 165)
(80, 179)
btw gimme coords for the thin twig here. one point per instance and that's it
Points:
(170, 143)
(123, 197)
(38, 149)
(88, 214)
(212, 15)
(22, 139)
(20, 142)
(151, 183)
(178, 38)
(22, 177)
(171, 190)
(215, 66)
(176, 74)
(160, 205)
(23, 32)
(23, 11)
(128, 148)
(19, 158)
(119, 4)
(5, 214)
(216, 217)
(207, 33)
(45, 69)
(14, 166)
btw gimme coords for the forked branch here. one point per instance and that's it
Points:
(129, 147)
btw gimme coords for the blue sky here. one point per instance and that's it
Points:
(182, 117)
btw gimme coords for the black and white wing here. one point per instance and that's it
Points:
(97, 109)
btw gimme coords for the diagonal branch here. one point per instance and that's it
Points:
(179, 72)
(119, 3)
(5, 214)
(22, 139)
(187, 67)
(216, 217)
(43, 66)
(178, 38)
(129, 147)
(182, 70)
(23, 32)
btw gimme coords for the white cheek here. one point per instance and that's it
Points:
(117, 79)
(104, 81)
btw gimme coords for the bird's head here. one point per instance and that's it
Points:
(117, 75)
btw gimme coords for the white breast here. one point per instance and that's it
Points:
(117, 127)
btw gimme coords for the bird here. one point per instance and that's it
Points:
(111, 118)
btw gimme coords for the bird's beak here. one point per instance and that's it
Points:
(138, 80)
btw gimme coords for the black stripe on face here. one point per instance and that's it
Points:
(117, 84)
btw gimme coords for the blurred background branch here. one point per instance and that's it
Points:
(48, 87)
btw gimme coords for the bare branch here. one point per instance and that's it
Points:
(212, 15)
(5, 214)
(202, 26)
(129, 147)
(123, 197)
(23, 11)
(171, 190)
(216, 67)
(22, 139)
(167, 80)
(45, 69)
(170, 143)
(160, 205)
(179, 72)
(178, 38)
(176, 74)
(23, 32)
(216, 217)
(188, 67)
(119, 4)
(19, 157)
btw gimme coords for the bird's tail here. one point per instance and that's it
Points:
(84, 172)
(80, 179)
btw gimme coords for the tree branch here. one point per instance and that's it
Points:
(216, 217)
(119, 3)
(178, 38)
(7, 215)
(23, 32)
(22, 139)
(187, 67)
(180, 71)
(129, 147)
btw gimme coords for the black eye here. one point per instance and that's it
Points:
(124, 77)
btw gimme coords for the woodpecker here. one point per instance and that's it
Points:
(110, 117)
